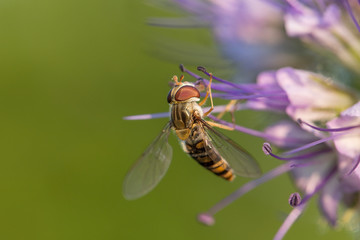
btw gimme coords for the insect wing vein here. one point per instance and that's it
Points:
(238, 158)
(150, 168)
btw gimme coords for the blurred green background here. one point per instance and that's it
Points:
(70, 71)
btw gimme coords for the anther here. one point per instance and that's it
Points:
(202, 69)
(182, 68)
(294, 199)
(206, 219)
(267, 148)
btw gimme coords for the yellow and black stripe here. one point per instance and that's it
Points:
(206, 155)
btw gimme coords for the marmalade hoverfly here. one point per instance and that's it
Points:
(208, 147)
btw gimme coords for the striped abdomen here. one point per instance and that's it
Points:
(199, 148)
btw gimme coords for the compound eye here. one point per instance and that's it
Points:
(169, 98)
(186, 92)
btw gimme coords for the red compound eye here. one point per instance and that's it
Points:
(186, 92)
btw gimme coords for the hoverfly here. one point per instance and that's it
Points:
(208, 147)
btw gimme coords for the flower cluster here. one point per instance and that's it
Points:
(321, 160)
(255, 35)
(320, 137)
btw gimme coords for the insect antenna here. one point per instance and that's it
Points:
(175, 79)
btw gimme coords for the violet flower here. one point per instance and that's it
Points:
(253, 41)
(250, 40)
(322, 25)
(322, 161)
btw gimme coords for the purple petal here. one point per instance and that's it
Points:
(331, 16)
(267, 79)
(307, 21)
(312, 96)
(353, 111)
(329, 200)
(289, 135)
(297, 24)
(243, 22)
(348, 145)
(307, 178)
(350, 173)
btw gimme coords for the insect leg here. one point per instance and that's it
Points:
(230, 107)
(219, 125)
(208, 93)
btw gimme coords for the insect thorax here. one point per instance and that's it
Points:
(182, 117)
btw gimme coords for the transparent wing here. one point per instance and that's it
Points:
(150, 168)
(238, 158)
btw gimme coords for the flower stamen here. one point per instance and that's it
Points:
(327, 129)
(248, 187)
(203, 69)
(297, 211)
(252, 132)
(268, 151)
(312, 144)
